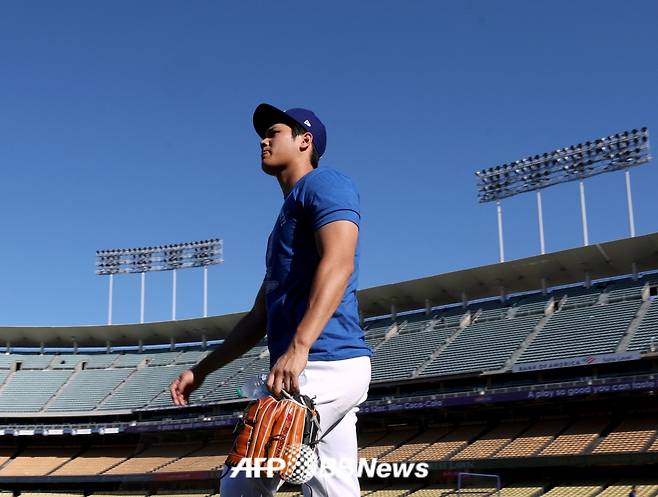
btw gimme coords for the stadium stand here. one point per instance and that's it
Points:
(449, 444)
(646, 336)
(87, 388)
(581, 490)
(95, 460)
(153, 458)
(632, 435)
(491, 442)
(417, 346)
(622, 489)
(577, 438)
(412, 447)
(206, 458)
(141, 387)
(37, 461)
(51, 494)
(482, 346)
(419, 340)
(578, 331)
(29, 390)
(437, 373)
(385, 444)
(533, 440)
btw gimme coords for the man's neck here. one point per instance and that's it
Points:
(289, 177)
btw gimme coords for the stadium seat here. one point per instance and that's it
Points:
(38, 461)
(87, 388)
(632, 435)
(522, 490)
(95, 460)
(405, 451)
(450, 444)
(581, 331)
(385, 445)
(152, 458)
(491, 442)
(533, 440)
(646, 334)
(207, 458)
(574, 491)
(577, 438)
(482, 346)
(622, 489)
(30, 390)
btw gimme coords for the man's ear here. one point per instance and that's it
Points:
(305, 142)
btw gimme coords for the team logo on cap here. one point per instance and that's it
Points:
(307, 123)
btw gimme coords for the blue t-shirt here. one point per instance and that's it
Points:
(318, 198)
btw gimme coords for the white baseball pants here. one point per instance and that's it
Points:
(338, 387)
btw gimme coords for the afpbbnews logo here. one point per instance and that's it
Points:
(370, 468)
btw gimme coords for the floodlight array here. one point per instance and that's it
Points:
(160, 258)
(611, 153)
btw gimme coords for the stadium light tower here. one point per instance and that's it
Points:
(161, 258)
(617, 152)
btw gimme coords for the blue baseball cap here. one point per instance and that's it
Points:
(266, 115)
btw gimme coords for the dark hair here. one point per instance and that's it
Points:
(297, 130)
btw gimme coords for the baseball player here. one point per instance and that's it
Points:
(307, 302)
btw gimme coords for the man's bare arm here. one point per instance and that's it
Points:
(336, 243)
(244, 336)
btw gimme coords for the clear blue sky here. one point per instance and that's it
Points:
(129, 124)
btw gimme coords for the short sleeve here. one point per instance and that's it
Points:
(331, 196)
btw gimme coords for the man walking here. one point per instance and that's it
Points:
(307, 302)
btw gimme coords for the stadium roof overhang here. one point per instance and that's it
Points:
(597, 261)
(187, 330)
(572, 266)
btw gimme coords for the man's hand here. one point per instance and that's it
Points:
(183, 386)
(285, 373)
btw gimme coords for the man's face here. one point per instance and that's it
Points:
(278, 148)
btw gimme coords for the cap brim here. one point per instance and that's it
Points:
(266, 115)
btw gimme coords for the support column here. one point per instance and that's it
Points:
(540, 216)
(501, 246)
(205, 291)
(173, 295)
(141, 300)
(583, 213)
(109, 304)
(629, 200)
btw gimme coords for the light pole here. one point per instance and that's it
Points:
(161, 258)
(618, 152)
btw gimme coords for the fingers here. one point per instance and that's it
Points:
(173, 390)
(275, 382)
(270, 381)
(294, 384)
(281, 379)
(179, 391)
